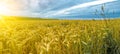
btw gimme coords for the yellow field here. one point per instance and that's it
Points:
(59, 37)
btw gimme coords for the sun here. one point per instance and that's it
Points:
(4, 9)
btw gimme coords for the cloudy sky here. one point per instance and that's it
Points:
(60, 8)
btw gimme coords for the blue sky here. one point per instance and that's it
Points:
(70, 9)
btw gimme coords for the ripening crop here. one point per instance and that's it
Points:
(59, 37)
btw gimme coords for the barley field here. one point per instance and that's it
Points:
(60, 36)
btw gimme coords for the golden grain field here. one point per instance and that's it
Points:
(60, 37)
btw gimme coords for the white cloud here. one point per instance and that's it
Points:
(81, 6)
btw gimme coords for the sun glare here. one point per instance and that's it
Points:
(3, 9)
(1, 18)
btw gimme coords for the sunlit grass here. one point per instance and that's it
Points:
(57, 36)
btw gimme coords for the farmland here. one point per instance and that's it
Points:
(59, 36)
